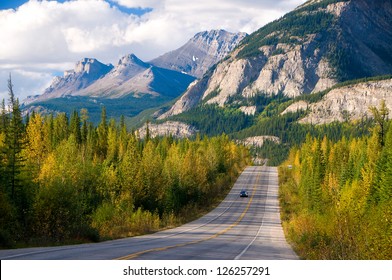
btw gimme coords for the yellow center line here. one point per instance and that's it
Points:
(137, 254)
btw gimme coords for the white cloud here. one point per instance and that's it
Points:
(140, 3)
(41, 36)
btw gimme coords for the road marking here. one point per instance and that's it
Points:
(137, 254)
(257, 234)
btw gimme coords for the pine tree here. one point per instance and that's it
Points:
(3, 117)
(102, 131)
(75, 127)
(60, 129)
(381, 116)
(112, 145)
(14, 143)
(84, 119)
(382, 190)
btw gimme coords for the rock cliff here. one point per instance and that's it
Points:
(350, 102)
(175, 129)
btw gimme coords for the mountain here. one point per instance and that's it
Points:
(135, 77)
(164, 76)
(308, 50)
(200, 53)
(85, 73)
(125, 89)
(126, 68)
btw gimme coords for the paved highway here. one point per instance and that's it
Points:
(239, 228)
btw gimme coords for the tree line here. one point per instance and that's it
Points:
(336, 196)
(64, 179)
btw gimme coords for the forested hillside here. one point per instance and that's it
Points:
(336, 196)
(66, 180)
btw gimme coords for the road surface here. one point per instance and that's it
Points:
(239, 228)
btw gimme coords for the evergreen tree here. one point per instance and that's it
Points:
(75, 127)
(3, 117)
(14, 143)
(60, 129)
(84, 119)
(102, 132)
(381, 116)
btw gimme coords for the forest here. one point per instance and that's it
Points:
(65, 180)
(336, 196)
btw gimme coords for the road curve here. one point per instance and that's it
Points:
(239, 228)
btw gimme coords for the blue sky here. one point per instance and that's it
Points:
(43, 38)
(14, 4)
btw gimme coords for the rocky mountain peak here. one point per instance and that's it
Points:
(129, 65)
(200, 52)
(85, 72)
(132, 59)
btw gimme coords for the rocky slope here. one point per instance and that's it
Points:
(349, 103)
(258, 141)
(175, 129)
(308, 50)
(85, 73)
(200, 53)
(131, 76)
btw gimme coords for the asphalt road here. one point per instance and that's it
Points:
(239, 228)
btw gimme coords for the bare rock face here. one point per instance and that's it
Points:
(309, 50)
(258, 141)
(85, 73)
(295, 107)
(200, 53)
(248, 110)
(110, 85)
(350, 102)
(175, 129)
(230, 78)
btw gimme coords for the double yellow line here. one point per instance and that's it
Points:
(137, 254)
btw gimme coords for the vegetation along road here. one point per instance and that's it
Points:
(239, 228)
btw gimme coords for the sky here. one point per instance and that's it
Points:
(41, 39)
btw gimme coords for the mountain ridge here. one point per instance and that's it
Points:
(308, 50)
(201, 52)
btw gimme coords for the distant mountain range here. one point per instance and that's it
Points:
(156, 82)
(130, 77)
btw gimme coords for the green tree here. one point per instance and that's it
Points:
(75, 127)
(60, 129)
(14, 143)
(102, 132)
(112, 142)
(381, 116)
(382, 190)
(4, 121)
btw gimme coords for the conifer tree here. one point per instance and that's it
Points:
(75, 127)
(3, 117)
(14, 142)
(381, 116)
(102, 132)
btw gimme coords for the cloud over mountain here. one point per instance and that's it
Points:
(43, 36)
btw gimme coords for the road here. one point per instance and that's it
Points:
(239, 228)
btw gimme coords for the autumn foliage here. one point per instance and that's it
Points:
(67, 180)
(336, 197)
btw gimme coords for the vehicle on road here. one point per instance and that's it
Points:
(243, 193)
